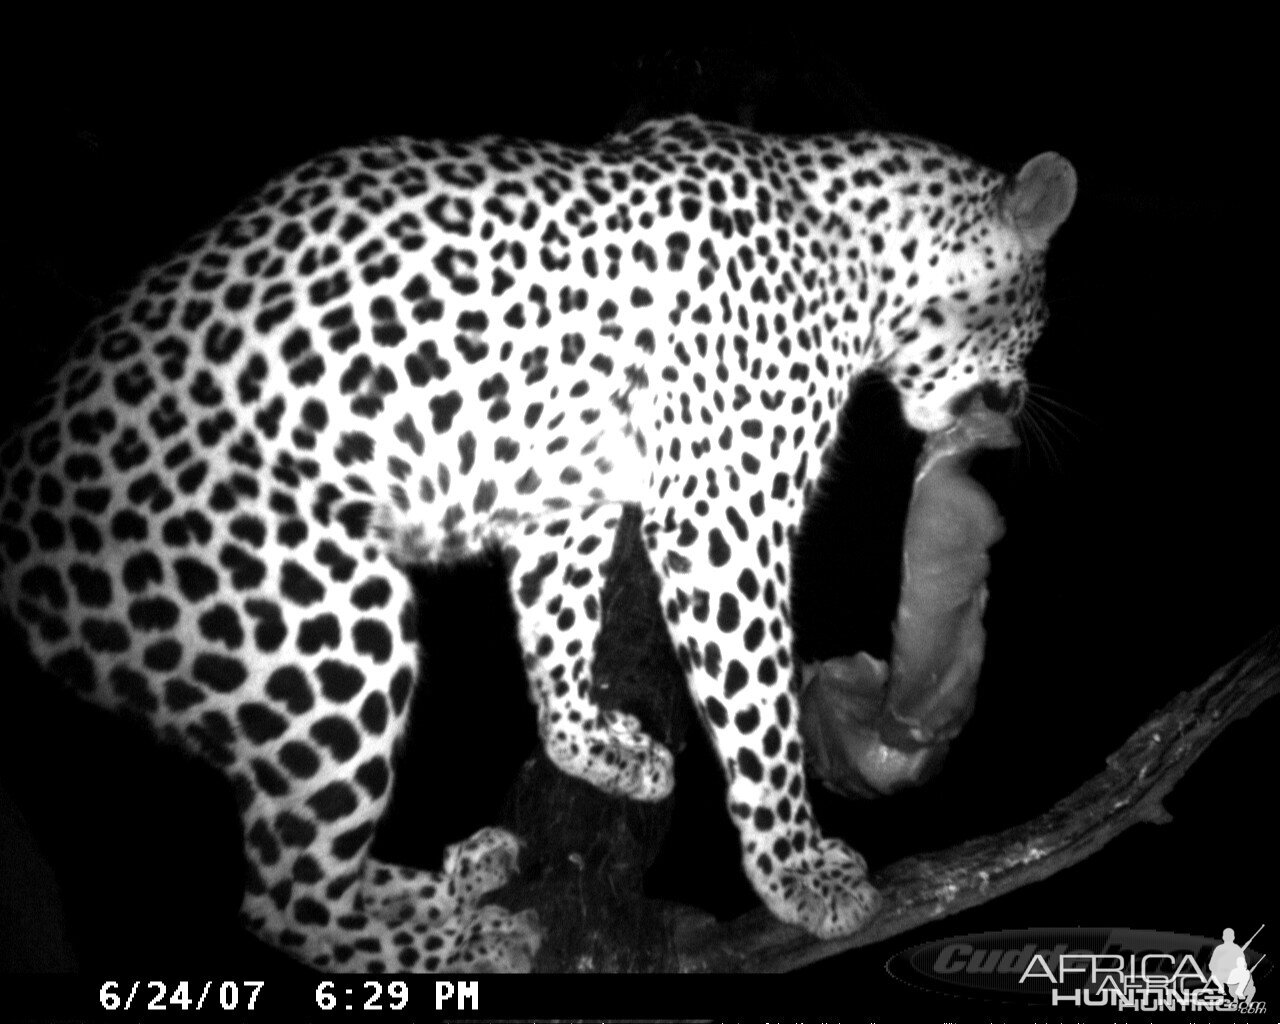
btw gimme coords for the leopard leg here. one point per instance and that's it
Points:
(295, 680)
(318, 781)
(557, 569)
(378, 917)
(725, 600)
(323, 900)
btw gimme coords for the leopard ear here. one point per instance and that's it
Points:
(1038, 200)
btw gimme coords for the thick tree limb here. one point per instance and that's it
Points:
(587, 853)
(1128, 791)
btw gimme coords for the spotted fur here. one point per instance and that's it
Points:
(401, 352)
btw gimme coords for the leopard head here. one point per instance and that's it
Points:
(965, 329)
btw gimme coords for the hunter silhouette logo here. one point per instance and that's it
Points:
(1228, 969)
(1119, 968)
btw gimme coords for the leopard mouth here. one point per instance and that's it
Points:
(1006, 399)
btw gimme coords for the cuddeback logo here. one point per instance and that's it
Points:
(1119, 968)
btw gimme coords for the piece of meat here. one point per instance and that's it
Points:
(872, 728)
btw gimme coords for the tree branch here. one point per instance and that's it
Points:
(1129, 790)
(587, 853)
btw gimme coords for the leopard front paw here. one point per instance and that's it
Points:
(824, 890)
(615, 755)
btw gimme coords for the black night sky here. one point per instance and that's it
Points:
(1141, 550)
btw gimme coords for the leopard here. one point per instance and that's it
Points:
(409, 352)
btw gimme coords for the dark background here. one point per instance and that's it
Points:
(1141, 550)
